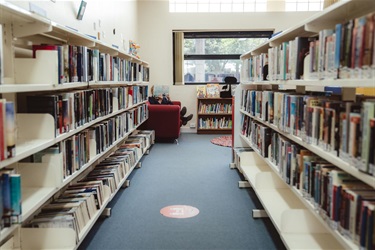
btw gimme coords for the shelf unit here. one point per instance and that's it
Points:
(214, 115)
(42, 182)
(300, 224)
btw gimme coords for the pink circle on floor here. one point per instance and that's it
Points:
(179, 211)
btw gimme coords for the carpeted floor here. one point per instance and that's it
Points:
(194, 173)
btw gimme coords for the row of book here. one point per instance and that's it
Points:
(214, 108)
(7, 130)
(347, 51)
(80, 148)
(344, 202)
(78, 205)
(73, 109)
(214, 123)
(82, 64)
(344, 128)
(10, 198)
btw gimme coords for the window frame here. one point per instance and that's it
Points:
(210, 35)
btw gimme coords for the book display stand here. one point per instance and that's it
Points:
(112, 108)
(293, 191)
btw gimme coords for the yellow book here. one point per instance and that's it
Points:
(212, 90)
(201, 91)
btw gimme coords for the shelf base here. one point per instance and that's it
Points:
(126, 184)
(259, 213)
(244, 184)
(106, 212)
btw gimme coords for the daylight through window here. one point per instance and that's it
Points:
(211, 56)
(242, 5)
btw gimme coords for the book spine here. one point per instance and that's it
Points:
(15, 197)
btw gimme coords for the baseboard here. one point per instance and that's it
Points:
(188, 130)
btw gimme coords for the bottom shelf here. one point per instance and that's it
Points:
(214, 131)
(310, 241)
(297, 225)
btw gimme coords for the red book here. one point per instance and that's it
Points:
(43, 47)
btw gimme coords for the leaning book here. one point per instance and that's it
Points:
(212, 90)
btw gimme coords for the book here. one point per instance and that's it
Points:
(160, 91)
(368, 112)
(212, 90)
(201, 91)
(371, 159)
(301, 49)
(10, 128)
(5, 175)
(1, 56)
(15, 198)
(3, 149)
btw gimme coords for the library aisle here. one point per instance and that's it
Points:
(194, 173)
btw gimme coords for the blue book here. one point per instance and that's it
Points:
(1, 203)
(6, 198)
(15, 198)
(10, 129)
(338, 45)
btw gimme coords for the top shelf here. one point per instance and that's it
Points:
(339, 12)
(27, 24)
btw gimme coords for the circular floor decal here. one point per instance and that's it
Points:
(179, 211)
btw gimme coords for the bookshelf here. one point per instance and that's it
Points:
(214, 115)
(103, 115)
(291, 187)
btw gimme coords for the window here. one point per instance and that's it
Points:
(211, 56)
(217, 5)
(303, 5)
(242, 5)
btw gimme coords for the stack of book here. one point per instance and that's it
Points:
(79, 204)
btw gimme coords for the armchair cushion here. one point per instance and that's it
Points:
(165, 120)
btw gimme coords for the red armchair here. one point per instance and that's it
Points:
(165, 120)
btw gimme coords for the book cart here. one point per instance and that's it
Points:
(305, 213)
(214, 115)
(99, 135)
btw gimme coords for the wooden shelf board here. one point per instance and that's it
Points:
(276, 201)
(250, 171)
(26, 148)
(33, 198)
(340, 83)
(19, 15)
(310, 241)
(18, 88)
(8, 231)
(339, 12)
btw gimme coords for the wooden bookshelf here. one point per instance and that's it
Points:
(42, 182)
(214, 115)
(297, 218)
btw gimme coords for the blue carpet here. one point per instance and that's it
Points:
(194, 172)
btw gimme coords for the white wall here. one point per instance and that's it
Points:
(156, 24)
(120, 15)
